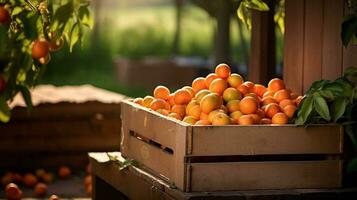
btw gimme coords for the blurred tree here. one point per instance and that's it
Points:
(175, 45)
(97, 4)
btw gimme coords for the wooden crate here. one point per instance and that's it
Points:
(65, 124)
(207, 158)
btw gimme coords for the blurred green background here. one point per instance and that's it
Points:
(137, 29)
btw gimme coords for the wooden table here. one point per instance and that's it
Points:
(111, 183)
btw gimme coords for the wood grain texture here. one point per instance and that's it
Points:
(294, 45)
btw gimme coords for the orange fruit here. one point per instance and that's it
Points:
(230, 94)
(286, 102)
(233, 106)
(147, 101)
(17, 178)
(298, 100)
(280, 118)
(250, 85)
(293, 95)
(235, 116)
(53, 197)
(243, 89)
(48, 178)
(268, 100)
(261, 113)
(195, 112)
(138, 100)
(248, 105)
(199, 84)
(40, 173)
(190, 89)
(213, 113)
(171, 99)
(13, 192)
(40, 48)
(276, 84)
(289, 110)
(163, 111)
(204, 116)
(190, 105)
(30, 180)
(179, 109)
(7, 178)
(252, 95)
(259, 89)
(40, 189)
(199, 95)
(4, 15)
(190, 120)
(223, 71)
(182, 96)
(271, 109)
(246, 120)
(281, 95)
(234, 80)
(256, 118)
(220, 119)
(224, 108)
(161, 92)
(64, 172)
(87, 180)
(218, 86)
(159, 104)
(175, 115)
(209, 78)
(210, 102)
(203, 122)
(268, 94)
(265, 121)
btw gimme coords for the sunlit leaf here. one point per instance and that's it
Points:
(4, 111)
(75, 34)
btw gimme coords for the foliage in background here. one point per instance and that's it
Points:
(349, 24)
(333, 102)
(30, 29)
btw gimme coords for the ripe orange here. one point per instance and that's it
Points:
(4, 15)
(64, 172)
(248, 105)
(40, 48)
(201, 94)
(230, 94)
(298, 100)
(189, 120)
(213, 113)
(224, 108)
(175, 115)
(159, 104)
(276, 84)
(259, 89)
(271, 109)
(268, 94)
(289, 110)
(161, 92)
(233, 106)
(190, 105)
(243, 89)
(223, 71)
(48, 178)
(182, 96)
(138, 100)
(281, 95)
(252, 95)
(234, 80)
(53, 197)
(147, 101)
(209, 78)
(235, 116)
(246, 120)
(40, 173)
(17, 178)
(256, 118)
(30, 180)
(179, 109)
(267, 100)
(171, 99)
(265, 121)
(261, 113)
(195, 112)
(218, 86)
(250, 85)
(45, 60)
(203, 122)
(286, 102)
(199, 84)
(204, 116)
(280, 118)
(190, 90)
(13, 192)
(40, 189)
(220, 119)
(163, 111)
(210, 102)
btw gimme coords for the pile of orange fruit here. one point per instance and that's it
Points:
(224, 98)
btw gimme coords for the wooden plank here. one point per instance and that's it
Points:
(266, 175)
(313, 42)
(266, 140)
(294, 45)
(332, 45)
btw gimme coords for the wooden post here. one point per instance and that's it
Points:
(262, 59)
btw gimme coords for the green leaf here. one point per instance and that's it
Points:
(338, 108)
(255, 5)
(304, 110)
(352, 165)
(244, 15)
(61, 16)
(4, 111)
(350, 132)
(327, 94)
(26, 95)
(17, 10)
(75, 35)
(321, 107)
(86, 16)
(316, 86)
(349, 28)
